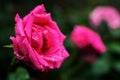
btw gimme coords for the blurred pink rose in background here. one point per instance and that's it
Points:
(38, 41)
(106, 13)
(88, 41)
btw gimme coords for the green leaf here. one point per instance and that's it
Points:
(100, 67)
(8, 46)
(117, 65)
(14, 60)
(68, 42)
(114, 47)
(19, 74)
(115, 32)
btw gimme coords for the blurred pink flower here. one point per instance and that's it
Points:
(108, 14)
(38, 41)
(87, 40)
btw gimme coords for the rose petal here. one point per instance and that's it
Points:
(19, 26)
(54, 26)
(28, 27)
(16, 49)
(42, 19)
(40, 9)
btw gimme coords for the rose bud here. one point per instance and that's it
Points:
(88, 41)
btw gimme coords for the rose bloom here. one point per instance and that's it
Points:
(88, 41)
(38, 41)
(108, 14)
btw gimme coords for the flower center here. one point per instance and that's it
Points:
(39, 42)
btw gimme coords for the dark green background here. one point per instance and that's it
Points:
(66, 13)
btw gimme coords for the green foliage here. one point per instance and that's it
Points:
(66, 13)
(117, 66)
(115, 33)
(114, 47)
(101, 66)
(19, 74)
(8, 46)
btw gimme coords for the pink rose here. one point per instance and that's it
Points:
(108, 14)
(38, 41)
(89, 41)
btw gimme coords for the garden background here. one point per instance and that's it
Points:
(67, 14)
